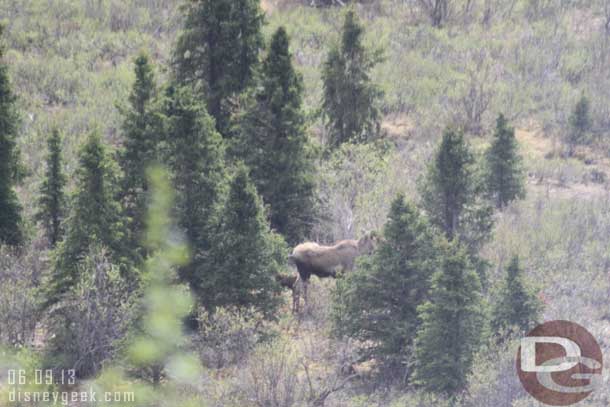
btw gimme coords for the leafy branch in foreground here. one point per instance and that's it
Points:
(160, 343)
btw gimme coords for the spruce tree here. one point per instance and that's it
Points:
(504, 173)
(273, 143)
(452, 193)
(580, 124)
(140, 139)
(452, 326)
(52, 203)
(94, 219)
(350, 98)
(377, 303)
(10, 209)
(218, 51)
(246, 254)
(195, 154)
(517, 305)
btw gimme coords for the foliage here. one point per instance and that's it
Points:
(561, 242)
(273, 379)
(24, 361)
(452, 326)
(274, 144)
(165, 303)
(52, 200)
(140, 139)
(20, 273)
(91, 318)
(420, 399)
(357, 183)
(493, 380)
(195, 157)
(452, 194)
(377, 303)
(95, 219)
(284, 373)
(246, 255)
(504, 172)
(438, 11)
(218, 51)
(580, 124)
(517, 305)
(228, 335)
(350, 98)
(70, 64)
(10, 209)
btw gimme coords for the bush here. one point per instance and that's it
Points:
(286, 373)
(493, 381)
(272, 378)
(227, 336)
(87, 324)
(356, 188)
(19, 276)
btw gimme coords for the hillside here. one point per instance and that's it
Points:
(71, 66)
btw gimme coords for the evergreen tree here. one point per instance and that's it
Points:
(504, 177)
(95, 219)
(377, 303)
(580, 124)
(218, 51)
(140, 129)
(51, 203)
(452, 194)
(195, 156)
(452, 326)
(10, 209)
(517, 305)
(246, 255)
(350, 98)
(273, 143)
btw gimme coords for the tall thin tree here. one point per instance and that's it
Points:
(350, 101)
(141, 126)
(452, 193)
(273, 142)
(10, 209)
(95, 219)
(52, 202)
(504, 172)
(579, 124)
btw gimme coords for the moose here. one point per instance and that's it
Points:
(323, 261)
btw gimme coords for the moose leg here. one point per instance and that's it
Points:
(295, 297)
(305, 295)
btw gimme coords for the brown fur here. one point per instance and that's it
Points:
(323, 261)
